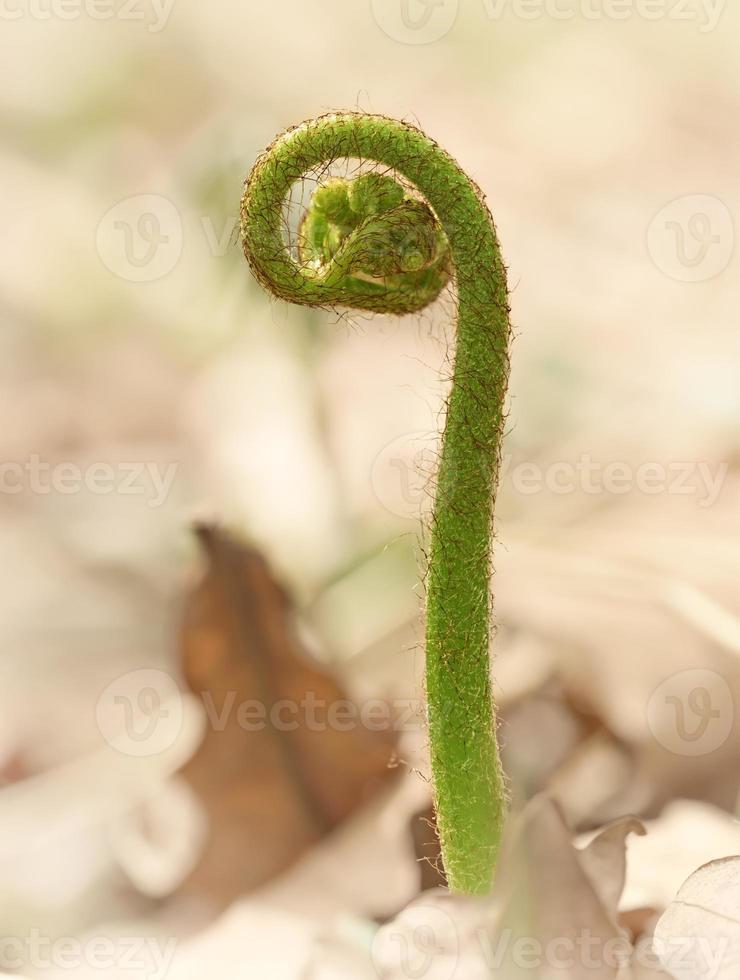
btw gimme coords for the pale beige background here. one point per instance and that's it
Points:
(608, 149)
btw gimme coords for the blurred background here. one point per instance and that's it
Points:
(149, 384)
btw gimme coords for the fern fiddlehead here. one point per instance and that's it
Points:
(370, 245)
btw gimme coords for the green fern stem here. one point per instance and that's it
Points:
(372, 244)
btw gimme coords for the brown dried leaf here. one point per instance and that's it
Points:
(273, 774)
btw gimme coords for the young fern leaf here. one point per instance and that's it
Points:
(367, 244)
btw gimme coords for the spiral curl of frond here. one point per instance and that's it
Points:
(372, 244)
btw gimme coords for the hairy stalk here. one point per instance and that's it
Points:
(369, 244)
